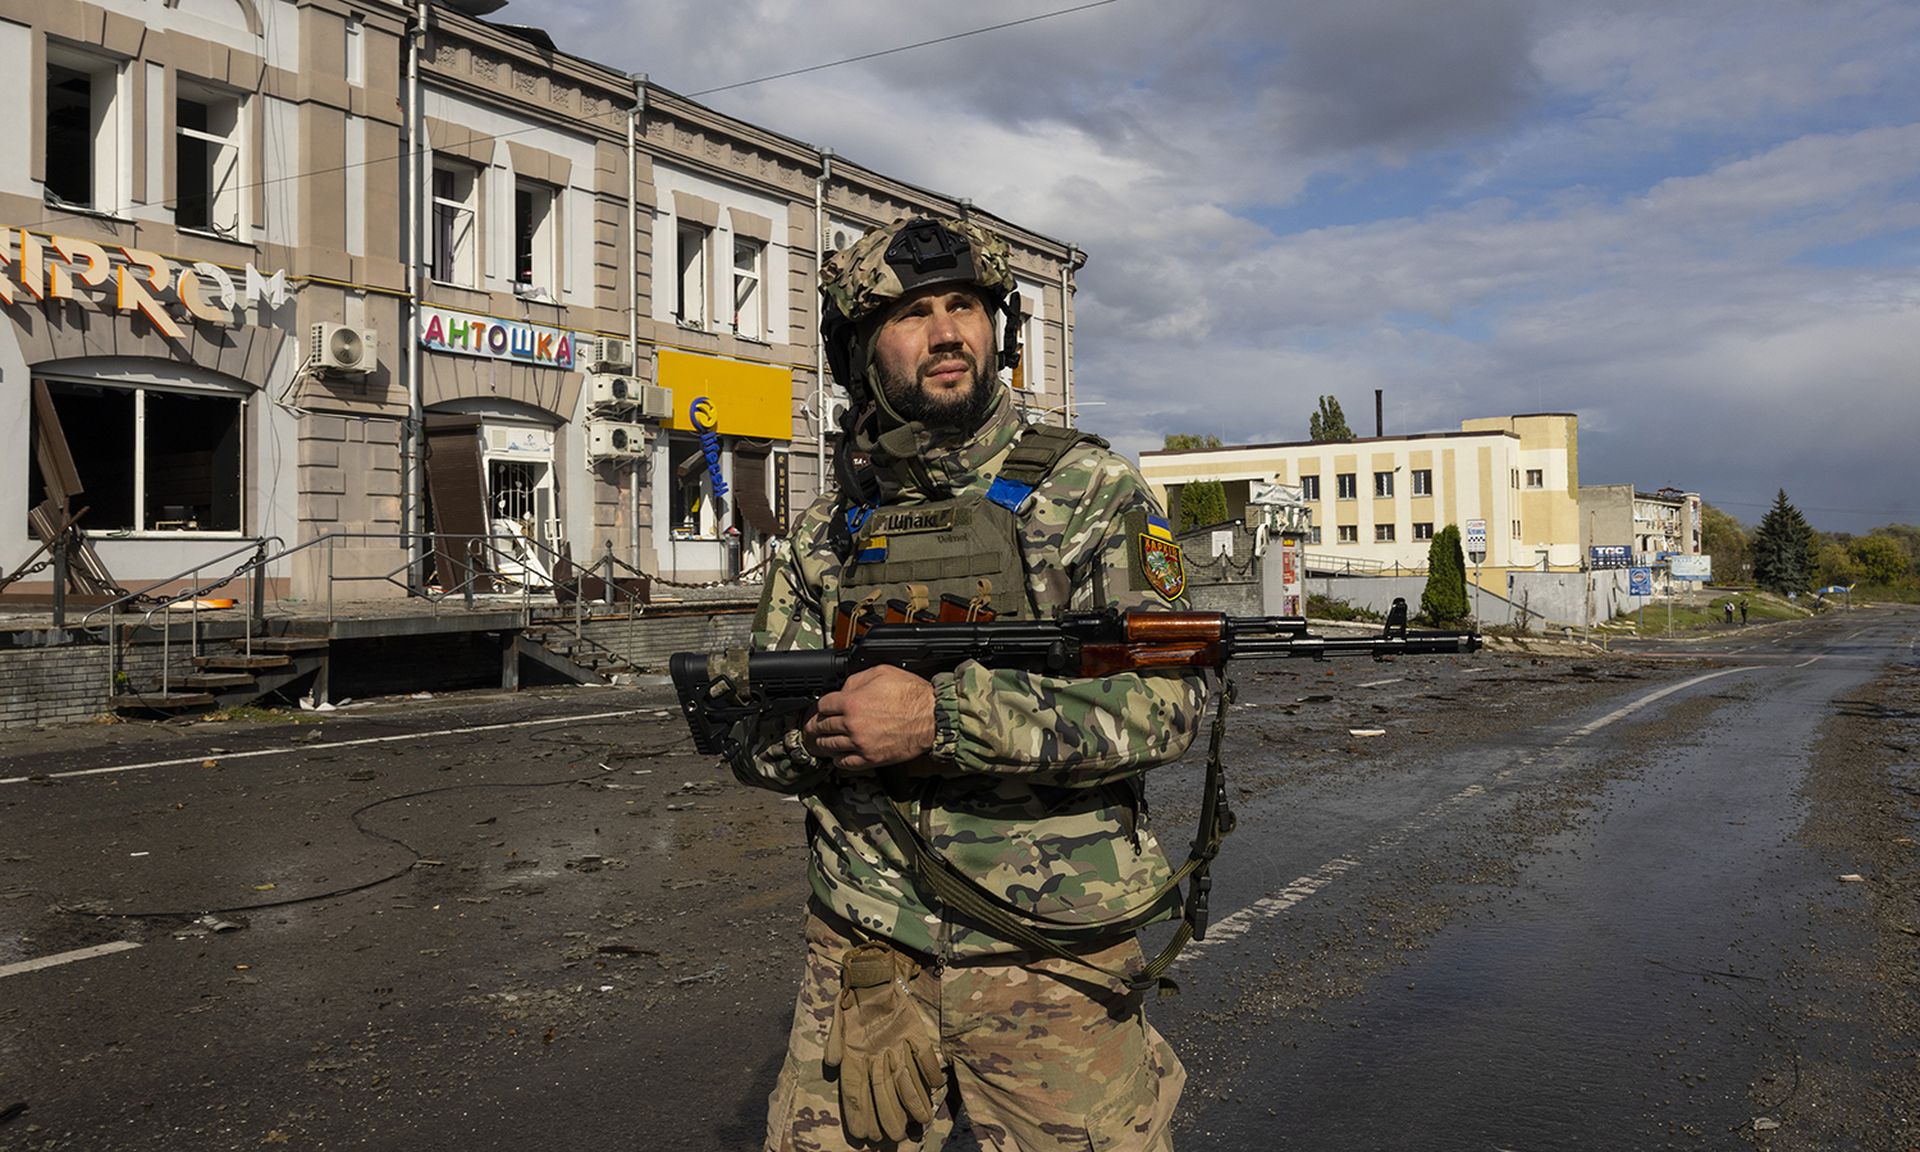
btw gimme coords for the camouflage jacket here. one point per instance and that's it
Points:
(1032, 787)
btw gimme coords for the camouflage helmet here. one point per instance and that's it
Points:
(861, 282)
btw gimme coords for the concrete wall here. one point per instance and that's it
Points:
(1570, 599)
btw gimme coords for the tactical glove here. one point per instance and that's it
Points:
(879, 1042)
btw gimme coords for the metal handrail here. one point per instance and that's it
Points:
(138, 593)
(254, 570)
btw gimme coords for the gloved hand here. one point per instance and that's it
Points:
(878, 1041)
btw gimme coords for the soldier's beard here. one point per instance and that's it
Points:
(958, 410)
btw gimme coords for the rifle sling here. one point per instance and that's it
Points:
(965, 895)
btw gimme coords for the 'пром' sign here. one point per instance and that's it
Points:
(444, 330)
(42, 267)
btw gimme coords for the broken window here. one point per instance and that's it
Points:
(206, 167)
(84, 126)
(749, 311)
(690, 305)
(691, 511)
(150, 460)
(533, 236)
(455, 240)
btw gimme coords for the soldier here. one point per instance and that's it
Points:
(1018, 788)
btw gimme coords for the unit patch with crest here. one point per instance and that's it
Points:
(1156, 556)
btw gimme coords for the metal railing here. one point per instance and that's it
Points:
(485, 561)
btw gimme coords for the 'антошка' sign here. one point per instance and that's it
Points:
(444, 330)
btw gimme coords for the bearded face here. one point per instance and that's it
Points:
(935, 355)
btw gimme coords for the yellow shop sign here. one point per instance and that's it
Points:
(752, 400)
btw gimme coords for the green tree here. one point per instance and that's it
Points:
(1444, 600)
(1783, 549)
(1202, 502)
(1834, 564)
(1882, 559)
(1908, 537)
(1722, 538)
(1329, 423)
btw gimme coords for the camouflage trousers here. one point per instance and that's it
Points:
(1044, 1055)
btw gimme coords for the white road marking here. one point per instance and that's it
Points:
(60, 958)
(225, 756)
(1378, 683)
(1808, 661)
(1237, 924)
(1630, 709)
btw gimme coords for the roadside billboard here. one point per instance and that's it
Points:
(1691, 567)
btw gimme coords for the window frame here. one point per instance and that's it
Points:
(1423, 481)
(462, 256)
(1346, 534)
(1310, 487)
(1536, 478)
(109, 131)
(139, 392)
(686, 232)
(1516, 529)
(536, 263)
(707, 527)
(1313, 535)
(1346, 485)
(756, 274)
(1383, 485)
(1383, 534)
(212, 96)
(1422, 530)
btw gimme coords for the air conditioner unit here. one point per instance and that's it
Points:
(656, 402)
(607, 354)
(609, 391)
(340, 348)
(613, 440)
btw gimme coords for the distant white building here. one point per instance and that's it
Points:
(1376, 502)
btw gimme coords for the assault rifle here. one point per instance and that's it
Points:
(718, 691)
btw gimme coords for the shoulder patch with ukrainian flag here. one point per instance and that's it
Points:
(1156, 556)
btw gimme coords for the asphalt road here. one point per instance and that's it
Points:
(1561, 902)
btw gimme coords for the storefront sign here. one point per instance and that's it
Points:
(1610, 556)
(1639, 581)
(706, 421)
(444, 330)
(37, 267)
(751, 400)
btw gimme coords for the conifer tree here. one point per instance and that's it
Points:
(1783, 549)
(1444, 600)
(1202, 502)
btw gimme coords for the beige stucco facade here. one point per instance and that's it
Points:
(189, 188)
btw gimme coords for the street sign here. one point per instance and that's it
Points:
(1476, 535)
(1639, 581)
(1610, 556)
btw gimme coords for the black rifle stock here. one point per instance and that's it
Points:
(718, 691)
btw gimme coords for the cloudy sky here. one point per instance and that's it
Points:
(1696, 225)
